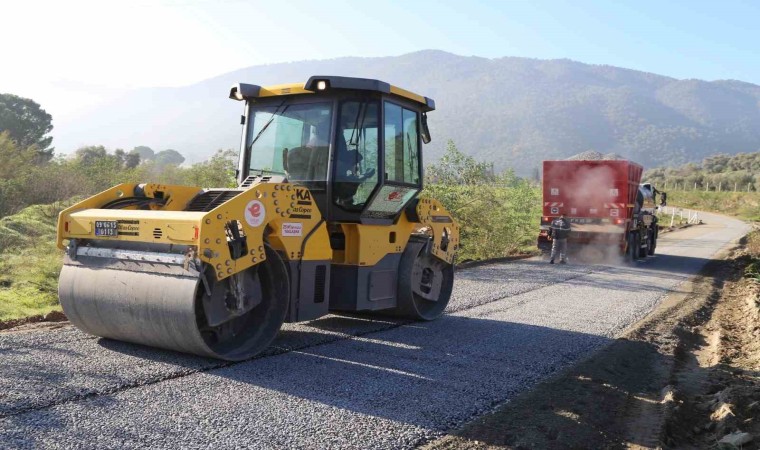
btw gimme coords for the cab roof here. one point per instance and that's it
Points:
(317, 83)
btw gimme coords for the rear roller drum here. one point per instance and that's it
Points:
(425, 282)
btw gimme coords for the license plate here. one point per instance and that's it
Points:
(106, 228)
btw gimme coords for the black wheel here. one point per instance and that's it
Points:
(645, 249)
(634, 242)
(266, 286)
(425, 282)
(652, 244)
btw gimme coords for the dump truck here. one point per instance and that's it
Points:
(606, 204)
(326, 217)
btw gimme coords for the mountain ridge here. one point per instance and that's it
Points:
(512, 111)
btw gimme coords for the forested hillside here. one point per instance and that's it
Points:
(739, 172)
(512, 111)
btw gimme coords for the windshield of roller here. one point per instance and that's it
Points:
(291, 140)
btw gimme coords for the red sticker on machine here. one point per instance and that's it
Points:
(395, 196)
(254, 213)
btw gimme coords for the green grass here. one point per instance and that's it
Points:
(29, 262)
(753, 248)
(744, 205)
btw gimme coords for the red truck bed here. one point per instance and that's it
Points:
(596, 195)
(590, 188)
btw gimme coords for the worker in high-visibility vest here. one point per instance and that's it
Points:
(559, 231)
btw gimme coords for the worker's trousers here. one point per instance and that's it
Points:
(559, 246)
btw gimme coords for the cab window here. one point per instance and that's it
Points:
(356, 154)
(401, 145)
(290, 140)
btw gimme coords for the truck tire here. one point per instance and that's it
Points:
(643, 251)
(634, 242)
(652, 244)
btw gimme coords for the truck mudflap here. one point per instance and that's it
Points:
(543, 242)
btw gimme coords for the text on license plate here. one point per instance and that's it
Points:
(106, 228)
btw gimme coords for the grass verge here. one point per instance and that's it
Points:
(743, 205)
(29, 262)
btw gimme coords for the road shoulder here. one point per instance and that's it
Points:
(665, 382)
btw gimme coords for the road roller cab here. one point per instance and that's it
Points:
(327, 217)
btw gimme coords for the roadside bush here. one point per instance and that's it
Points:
(495, 220)
(499, 214)
(753, 248)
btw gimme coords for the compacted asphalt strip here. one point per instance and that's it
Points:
(342, 381)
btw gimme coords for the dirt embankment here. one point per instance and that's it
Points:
(687, 376)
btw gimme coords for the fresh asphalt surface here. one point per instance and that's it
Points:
(340, 381)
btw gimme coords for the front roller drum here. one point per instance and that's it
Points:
(425, 282)
(167, 311)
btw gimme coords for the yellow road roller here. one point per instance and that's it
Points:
(326, 217)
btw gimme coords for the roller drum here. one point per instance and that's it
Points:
(167, 311)
(143, 308)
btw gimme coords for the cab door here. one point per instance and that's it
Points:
(401, 160)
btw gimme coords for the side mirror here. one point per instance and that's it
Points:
(664, 199)
(424, 130)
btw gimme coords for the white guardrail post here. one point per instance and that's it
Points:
(690, 215)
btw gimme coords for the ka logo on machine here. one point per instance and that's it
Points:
(303, 196)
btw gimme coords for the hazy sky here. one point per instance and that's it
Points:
(68, 54)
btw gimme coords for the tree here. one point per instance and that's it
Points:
(217, 171)
(27, 124)
(457, 168)
(120, 155)
(146, 153)
(91, 154)
(131, 160)
(169, 157)
(15, 159)
(15, 173)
